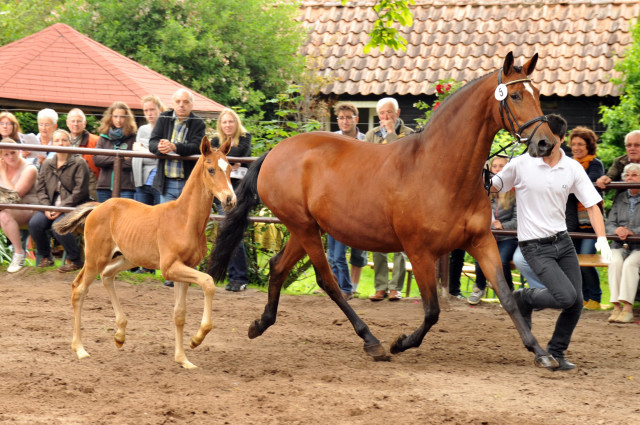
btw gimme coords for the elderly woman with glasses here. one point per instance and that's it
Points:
(624, 221)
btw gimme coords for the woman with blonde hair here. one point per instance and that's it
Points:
(16, 173)
(230, 127)
(503, 217)
(117, 131)
(9, 126)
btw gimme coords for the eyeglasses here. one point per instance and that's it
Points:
(6, 124)
(346, 118)
(633, 175)
(44, 124)
(578, 144)
(632, 145)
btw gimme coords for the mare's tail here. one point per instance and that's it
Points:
(75, 218)
(232, 229)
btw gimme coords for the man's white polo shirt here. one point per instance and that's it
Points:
(542, 192)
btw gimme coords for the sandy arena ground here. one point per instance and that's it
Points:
(309, 368)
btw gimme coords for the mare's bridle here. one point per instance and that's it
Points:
(513, 128)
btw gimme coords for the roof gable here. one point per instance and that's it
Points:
(578, 42)
(61, 65)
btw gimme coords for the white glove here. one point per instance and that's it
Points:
(603, 246)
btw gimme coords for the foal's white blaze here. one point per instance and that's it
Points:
(223, 164)
(528, 88)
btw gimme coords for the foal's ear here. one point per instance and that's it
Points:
(226, 146)
(205, 146)
(508, 64)
(531, 65)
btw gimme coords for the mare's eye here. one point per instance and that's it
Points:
(516, 96)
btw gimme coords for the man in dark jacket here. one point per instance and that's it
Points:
(177, 132)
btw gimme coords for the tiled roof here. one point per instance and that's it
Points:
(59, 65)
(577, 41)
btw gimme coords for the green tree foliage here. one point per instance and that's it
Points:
(384, 34)
(238, 52)
(624, 117)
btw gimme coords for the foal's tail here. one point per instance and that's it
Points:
(232, 229)
(75, 218)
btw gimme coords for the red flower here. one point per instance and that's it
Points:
(448, 87)
(439, 88)
(435, 105)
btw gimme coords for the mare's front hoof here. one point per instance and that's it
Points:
(378, 352)
(254, 331)
(396, 347)
(547, 361)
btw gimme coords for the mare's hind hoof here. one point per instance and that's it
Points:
(378, 352)
(396, 347)
(547, 361)
(254, 330)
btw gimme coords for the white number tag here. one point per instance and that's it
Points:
(501, 92)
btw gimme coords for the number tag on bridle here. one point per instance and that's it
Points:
(501, 92)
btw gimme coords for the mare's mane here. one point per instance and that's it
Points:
(460, 91)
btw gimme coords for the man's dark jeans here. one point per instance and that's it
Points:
(556, 264)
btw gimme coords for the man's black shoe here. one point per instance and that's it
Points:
(564, 364)
(523, 306)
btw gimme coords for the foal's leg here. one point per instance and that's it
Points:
(80, 288)
(108, 276)
(487, 255)
(424, 270)
(179, 317)
(180, 274)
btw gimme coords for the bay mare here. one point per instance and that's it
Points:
(121, 233)
(422, 195)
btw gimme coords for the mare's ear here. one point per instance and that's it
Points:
(508, 64)
(205, 146)
(531, 65)
(226, 146)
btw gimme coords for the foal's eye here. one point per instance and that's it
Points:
(211, 171)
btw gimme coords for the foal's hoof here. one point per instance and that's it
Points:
(254, 330)
(547, 361)
(119, 344)
(378, 352)
(397, 347)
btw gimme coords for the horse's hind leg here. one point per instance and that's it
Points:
(312, 243)
(108, 276)
(279, 267)
(425, 275)
(80, 288)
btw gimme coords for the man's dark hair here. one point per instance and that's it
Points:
(558, 125)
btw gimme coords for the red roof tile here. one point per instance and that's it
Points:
(578, 42)
(61, 65)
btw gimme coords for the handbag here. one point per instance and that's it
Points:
(9, 196)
